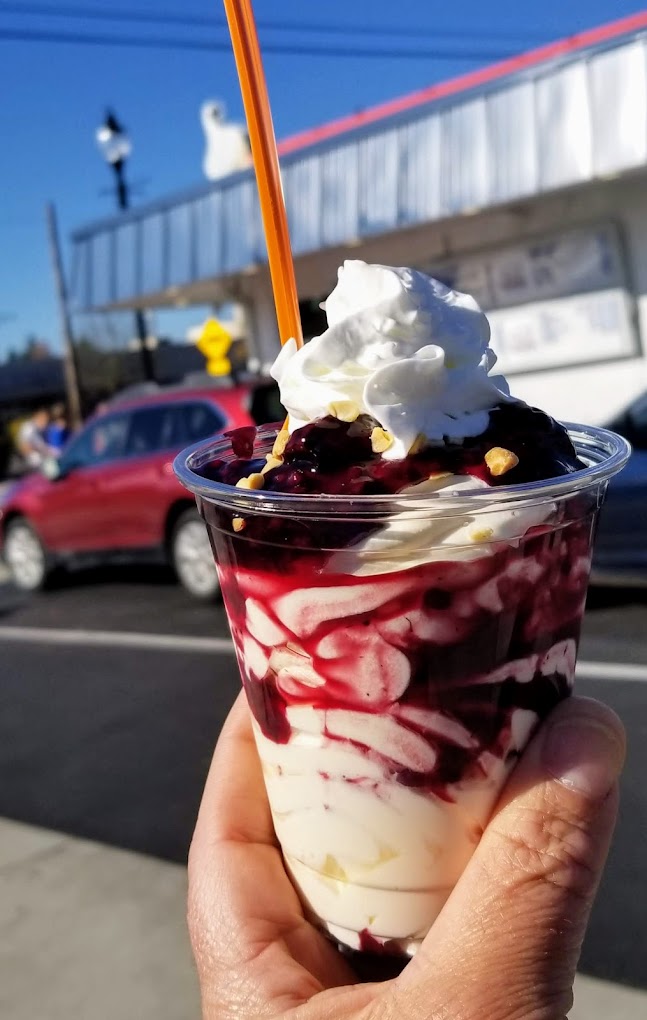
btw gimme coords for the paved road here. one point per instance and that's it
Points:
(94, 933)
(111, 740)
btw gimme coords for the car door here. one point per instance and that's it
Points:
(79, 518)
(147, 487)
(139, 491)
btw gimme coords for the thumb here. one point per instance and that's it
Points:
(507, 943)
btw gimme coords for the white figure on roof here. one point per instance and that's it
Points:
(227, 145)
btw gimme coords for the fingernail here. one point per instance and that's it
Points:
(585, 754)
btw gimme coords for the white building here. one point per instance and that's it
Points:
(524, 183)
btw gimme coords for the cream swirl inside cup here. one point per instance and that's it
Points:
(401, 347)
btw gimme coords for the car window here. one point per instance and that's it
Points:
(152, 429)
(266, 404)
(199, 420)
(102, 441)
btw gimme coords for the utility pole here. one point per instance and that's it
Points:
(73, 395)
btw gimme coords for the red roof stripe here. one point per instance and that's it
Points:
(591, 37)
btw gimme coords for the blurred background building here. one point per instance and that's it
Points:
(524, 183)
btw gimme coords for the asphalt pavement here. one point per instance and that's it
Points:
(114, 688)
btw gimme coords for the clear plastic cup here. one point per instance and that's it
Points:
(397, 653)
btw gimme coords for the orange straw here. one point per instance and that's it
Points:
(249, 65)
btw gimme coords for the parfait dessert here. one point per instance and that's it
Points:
(404, 568)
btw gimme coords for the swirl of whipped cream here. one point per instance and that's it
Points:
(401, 347)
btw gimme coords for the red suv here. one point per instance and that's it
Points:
(113, 492)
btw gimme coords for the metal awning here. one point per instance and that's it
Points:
(565, 115)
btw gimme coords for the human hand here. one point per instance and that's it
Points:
(506, 944)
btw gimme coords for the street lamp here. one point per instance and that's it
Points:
(115, 147)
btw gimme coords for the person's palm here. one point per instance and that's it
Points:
(518, 914)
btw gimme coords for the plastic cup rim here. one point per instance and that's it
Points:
(607, 453)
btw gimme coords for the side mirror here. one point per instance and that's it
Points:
(51, 468)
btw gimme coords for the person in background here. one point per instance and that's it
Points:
(57, 432)
(30, 440)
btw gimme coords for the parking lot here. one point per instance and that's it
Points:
(114, 689)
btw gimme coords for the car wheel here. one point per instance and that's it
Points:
(192, 557)
(25, 556)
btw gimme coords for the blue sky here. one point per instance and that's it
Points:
(54, 95)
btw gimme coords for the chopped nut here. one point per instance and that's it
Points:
(439, 474)
(253, 481)
(387, 853)
(418, 444)
(280, 443)
(500, 461)
(481, 534)
(345, 410)
(238, 524)
(272, 462)
(333, 869)
(380, 440)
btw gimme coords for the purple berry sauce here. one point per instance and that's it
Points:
(480, 642)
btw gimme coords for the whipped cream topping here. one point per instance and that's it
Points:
(401, 347)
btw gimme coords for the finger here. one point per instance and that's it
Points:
(239, 897)
(512, 930)
(256, 954)
(234, 803)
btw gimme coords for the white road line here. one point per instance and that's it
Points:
(588, 670)
(612, 671)
(116, 639)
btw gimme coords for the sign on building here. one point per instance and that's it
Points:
(214, 343)
(560, 300)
